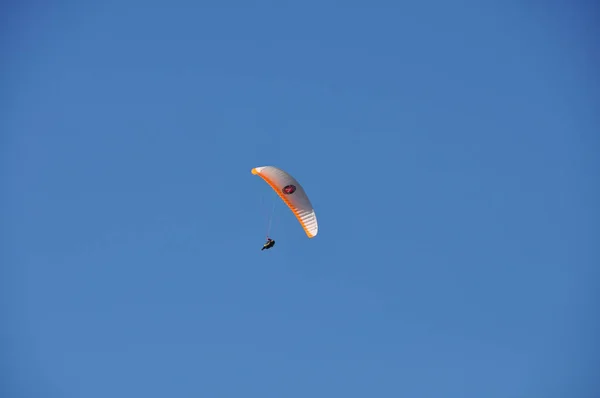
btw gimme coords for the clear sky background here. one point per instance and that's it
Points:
(450, 150)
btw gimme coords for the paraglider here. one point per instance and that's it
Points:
(269, 244)
(293, 195)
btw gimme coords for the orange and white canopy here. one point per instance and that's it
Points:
(294, 196)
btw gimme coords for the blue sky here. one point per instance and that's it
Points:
(449, 148)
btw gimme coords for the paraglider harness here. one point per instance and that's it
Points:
(270, 243)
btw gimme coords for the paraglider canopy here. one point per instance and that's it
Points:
(292, 194)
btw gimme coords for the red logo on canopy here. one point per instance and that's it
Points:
(289, 189)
